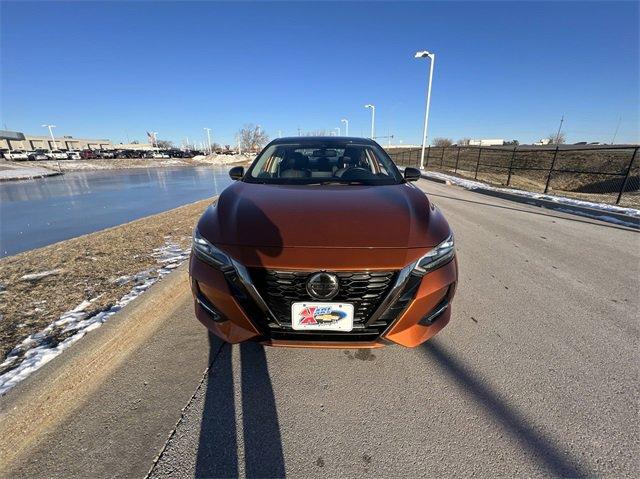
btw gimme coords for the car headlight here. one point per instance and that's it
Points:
(209, 253)
(436, 257)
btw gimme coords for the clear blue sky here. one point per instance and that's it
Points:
(503, 70)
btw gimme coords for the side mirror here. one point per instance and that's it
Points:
(236, 173)
(411, 174)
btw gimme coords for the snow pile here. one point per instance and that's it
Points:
(43, 274)
(40, 348)
(222, 159)
(561, 200)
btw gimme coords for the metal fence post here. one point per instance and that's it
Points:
(626, 176)
(442, 158)
(457, 159)
(428, 151)
(513, 157)
(553, 163)
(478, 162)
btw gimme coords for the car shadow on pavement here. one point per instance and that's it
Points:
(218, 447)
(542, 449)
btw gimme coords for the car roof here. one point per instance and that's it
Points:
(323, 139)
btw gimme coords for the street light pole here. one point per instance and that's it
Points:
(346, 126)
(208, 138)
(373, 120)
(55, 146)
(432, 57)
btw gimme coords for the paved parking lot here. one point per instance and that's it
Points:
(536, 375)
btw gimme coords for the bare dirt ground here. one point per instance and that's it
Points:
(38, 286)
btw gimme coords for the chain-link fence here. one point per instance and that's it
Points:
(605, 174)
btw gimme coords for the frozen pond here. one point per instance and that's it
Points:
(35, 213)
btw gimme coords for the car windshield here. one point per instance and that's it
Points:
(323, 163)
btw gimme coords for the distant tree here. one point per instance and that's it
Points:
(135, 142)
(442, 142)
(561, 138)
(164, 144)
(317, 133)
(512, 143)
(464, 141)
(252, 137)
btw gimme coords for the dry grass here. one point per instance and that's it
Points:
(86, 267)
(530, 170)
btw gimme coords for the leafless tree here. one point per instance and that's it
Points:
(464, 141)
(442, 142)
(164, 144)
(317, 133)
(555, 139)
(252, 137)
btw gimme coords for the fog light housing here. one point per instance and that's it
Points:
(435, 313)
(205, 304)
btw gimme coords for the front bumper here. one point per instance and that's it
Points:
(414, 312)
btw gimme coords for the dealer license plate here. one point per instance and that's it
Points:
(322, 316)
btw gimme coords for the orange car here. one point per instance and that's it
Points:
(323, 243)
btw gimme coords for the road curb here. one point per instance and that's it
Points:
(607, 216)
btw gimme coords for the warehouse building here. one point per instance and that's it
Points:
(15, 140)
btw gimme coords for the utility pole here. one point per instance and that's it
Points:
(432, 57)
(559, 129)
(373, 119)
(208, 130)
(55, 146)
(616, 132)
(346, 126)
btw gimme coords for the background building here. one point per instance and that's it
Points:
(486, 142)
(15, 140)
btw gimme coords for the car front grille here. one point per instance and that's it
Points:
(364, 289)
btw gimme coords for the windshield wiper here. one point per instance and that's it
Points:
(336, 182)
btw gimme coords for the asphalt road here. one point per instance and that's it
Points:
(536, 375)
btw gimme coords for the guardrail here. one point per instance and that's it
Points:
(608, 174)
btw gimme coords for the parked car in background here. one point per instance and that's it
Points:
(104, 154)
(57, 155)
(38, 155)
(15, 155)
(73, 155)
(175, 153)
(156, 155)
(88, 154)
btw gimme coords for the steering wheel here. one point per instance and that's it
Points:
(357, 173)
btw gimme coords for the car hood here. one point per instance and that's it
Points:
(329, 216)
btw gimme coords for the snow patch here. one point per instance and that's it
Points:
(38, 349)
(43, 274)
(473, 185)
